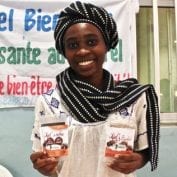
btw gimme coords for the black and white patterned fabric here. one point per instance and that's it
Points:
(89, 104)
(79, 12)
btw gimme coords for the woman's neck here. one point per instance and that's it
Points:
(95, 80)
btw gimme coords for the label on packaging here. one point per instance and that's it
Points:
(119, 140)
(54, 138)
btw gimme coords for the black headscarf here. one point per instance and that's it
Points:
(79, 12)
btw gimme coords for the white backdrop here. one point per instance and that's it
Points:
(28, 59)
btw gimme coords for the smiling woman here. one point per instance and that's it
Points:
(94, 104)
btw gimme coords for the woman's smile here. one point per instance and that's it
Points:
(85, 63)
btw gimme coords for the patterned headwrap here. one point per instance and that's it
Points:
(79, 12)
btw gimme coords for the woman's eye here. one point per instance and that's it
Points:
(92, 42)
(72, 45)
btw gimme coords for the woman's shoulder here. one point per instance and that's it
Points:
(52, 92)
(50, 98)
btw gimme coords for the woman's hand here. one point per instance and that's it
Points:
(128, 163)
(44, 164)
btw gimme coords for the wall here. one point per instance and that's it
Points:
(15, 148)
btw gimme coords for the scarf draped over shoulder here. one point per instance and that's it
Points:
(89, 104)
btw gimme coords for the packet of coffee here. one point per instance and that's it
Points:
(54, 138)
(119, 140)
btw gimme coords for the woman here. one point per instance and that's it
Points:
(91, 101)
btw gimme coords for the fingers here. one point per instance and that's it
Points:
(48, 167)
(44, 164)
(124, 163)
(47, 162)
(35, 155)
(127, 157)
(123, 167)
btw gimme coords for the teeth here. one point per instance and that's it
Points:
(85, 63)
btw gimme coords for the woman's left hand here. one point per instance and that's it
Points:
(128, 163)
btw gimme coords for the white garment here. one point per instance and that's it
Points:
(87, 141)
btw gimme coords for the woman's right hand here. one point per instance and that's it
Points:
(43, 163)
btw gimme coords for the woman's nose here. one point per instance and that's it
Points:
(83, 51)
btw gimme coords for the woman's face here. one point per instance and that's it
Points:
(85, 49)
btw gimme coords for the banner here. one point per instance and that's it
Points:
(29, 61)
